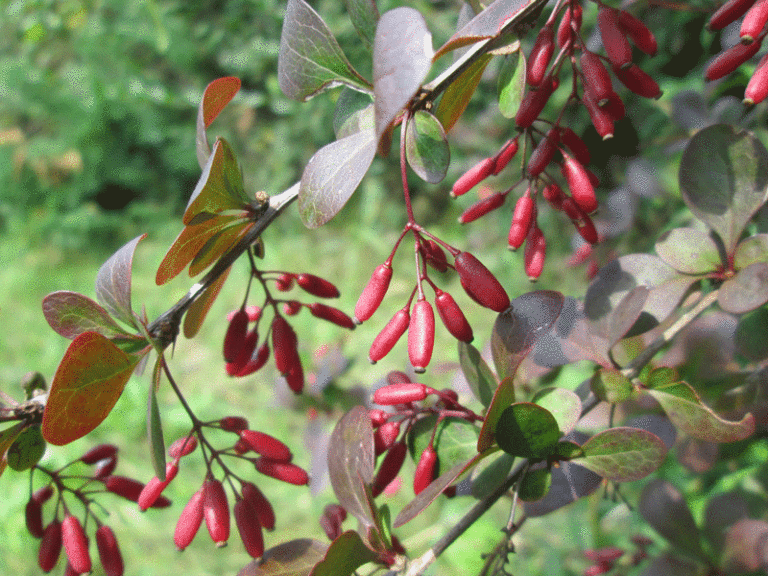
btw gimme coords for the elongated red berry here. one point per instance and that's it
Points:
(247, 349)
(602, 120)
(50, 546)
(284, 344)
(260, 504)
(256, 362)
(583, 223)
(597, 80)
(99, 453)
(42, 495)
(182, 447)
(553, 194)
(434, 255)
(505, 155)
(283, 471)
(401, 393)
(109, 551)
(385, 436)
(729, 12)
(543, 153)
(104, 468)
(570, 21)
(482, 207)
(479, 283)
(317, 286)
(33, 514)
(579, 183)
(614, 107)
(292, 307)
(638, 81)
(235, 335)
(541, 55)
(638, 32)
(726, 62)
(533, 103)
(615, 41)
(473, 176)
(452, 316)
(425, 470)
(575, 145)
(535, 253)
(754, 21)
(757, 88)
(151, 492)
(389, 335)
(421, 335)
(75, 544)
(521, 220)
(216, 511)
(331, 314)
(397, 377)
(389, 468)
(266, 445)
(295, 377)
(373, 293)
(189, 521)
(248, 526)
(128, 488)
(233, 423)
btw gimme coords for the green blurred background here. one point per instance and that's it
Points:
(97, 108)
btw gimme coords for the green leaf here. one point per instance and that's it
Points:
(527, 430)
(502, 399)
(353, 113)
(534, 485)
(492, 475)
(426, 147)
(511, 83)
(750, 251)
(345, 555)
(294, 558)
(7, 438)
(661, 377)
(610, 385)
(217, 95)
(622, 454)
(456, 98)
(746, 291)
(686, 411)
(70, 314)
(752, 335)
(310, 59)
(481, 380)
(332, 175)
(689, 251)
(563, 404)
(455, 440)
(724, 179)
(27, 449)
(154, 423)
(113, 282)
(85, 388)
(365, 16)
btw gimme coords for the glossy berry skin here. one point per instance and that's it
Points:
(109, 551)
(482, 207)
(473, 176)
(479, 283)
(189, 521)
(543, 153)
(521, 220)
(266, 445)
(571, 19)
(638, 32)
(757, 88)
(283, 471)
(582, 191)
(248, 526)
(452, 316)
(533, 103)
(50, 546)
(401, 393)
(234, 339)
(421, 335)
(729, 12)
(754, 22)
(726, 62)
(260, 504)
(389, 335)
(152, 490)
(331, 314)
(385, 436)
(317, 286)
(182, 447)
(128, 488)
(216, 511)
(99, 452)
(615, 41)
(75, 544)
(638, 81)
(540, 56)
(505, 155)
(373, 293)
(535, 254)
(284, 344)
(425, 470)
(33, 515)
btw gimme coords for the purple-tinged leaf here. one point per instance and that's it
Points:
(670, 565)
(746, 546)
(511, 84)
(353, 113)
(665, 509)
(197, 312)
(625, 315)
(696, 455)
(217, 95)
(746, 291)
(294, 558)
(527, 430)
(459, 93)
(657, 425)
(70, 314)
(569, 483)
(426, 147)
(219, 244)
(563, 404)
(85, 388)
(113, 283)
(610, 385)
(622, 454)
(481, 380)
(689, 251)
(332, 175)
(155, 424)
(722, 511)
(724, 179)
(750, 251)
(310, 59)
(686, 410)
(345, 555)
(364, 15)
(351, 463)
(402, 57)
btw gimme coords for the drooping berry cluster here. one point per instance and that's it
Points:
(559, 144)
(752, 32)
(242, 352)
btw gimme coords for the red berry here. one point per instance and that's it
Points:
(452, 316)
(42, 495)
(249, 345)
(235, 336)
(729, 12)
(189, 521)
(128, 488)
(638, 32)
(601, 118)
(284, 344)
(99, 452)
(533, 103)
(256, 362)
(482, 207)
(473, 176)
(540, 55)
(284, 282)
(260, 504)
(425, 470)
(579, 183)
(597, 81)
(75, 544)
(182, 447)
(389, 335)
(571, 20)
(726, 62)
(248, 526)
(754, 21)
(266, 445)
(377, 416)
(216, 511)
(583, 223)
(331, 314)
(373, 293)
(521, 220)
(543, 153)
(109, 551)
(576, 145)
(385, 436)
(434, 255)
(295, 377)
(638, 81)
(283, 471)
(33, 514)
(535, 253)
(615, 41)
(389, 468)
(151, 492)
(317, 286)
(553, 194)
(400, 393)
(397, 377)
(50, 546)
(292, 307)
(504, 156)
(104, 468)
(421, 335)
(479, 283)
(233, 423)
(757, 88)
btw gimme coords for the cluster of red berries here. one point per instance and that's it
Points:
(418, 318)
(242, 352)
(560, 145)
(752, 32)
(401, 393)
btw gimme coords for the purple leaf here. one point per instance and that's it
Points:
(669, 565)
(70, 314)
(622, 454)
(569, 483)
(481, 380)
(610, 385)
(402, 57)
(746, 291)
(722, 511)
(746, 546)
(113, 282)
(625, 315)
(750, 251)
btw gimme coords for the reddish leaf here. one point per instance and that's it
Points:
(216, 96)
(344, 556)
(296, 557)
(113, 282)
(459, 93)
(197, 312)
(86, 386)
(746, 291)
(219, 244)
(569, 483)
(70, 314)
(622, 454)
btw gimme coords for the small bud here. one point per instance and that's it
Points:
(521, 220)
(104, 468)
(332, 315)
(579, 183)
(216, 511)
(377, 417)
(33, 514)
(182, 447)
(99, 453)
(421, 335)
(729, 12)
(284, 282)
(266, 445)
(615, 41)
(373, 293)
(385, 436)
(452, 316)
(42, 495)
(260, 505)
(235, 336)
(571, 20)
(400, 393)
(425, 470)
(540, 55)
(248, 526)
(283, 471)
(389, 335)
(189, 521)
(330, 521)
(292, 307)
(109, 551)
(543, 153)
(75, 544)
(152, 490)
(638, 81)
(473, 177)
(533, 103)
(434, 255)
(505, 155)
(256, 362)
(479, 283)
(482, 207)
(317, 286)
(535, 253)
(389, 468)
(726, 62)
(254, 313)
(638, 32)
(50, 546)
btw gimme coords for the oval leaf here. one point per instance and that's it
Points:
(689, 251)
(752, 335)
(622, 454)
(7, 438)
(625, 315)
(610, 385)
(746, 291)
(502, 399)
(511, 84)
(426, 147)
(563, 404)
(364, 15)
(217, 95)
(492, 475)
(294, 558)
(197, 312)
(481, 380)
(454, 441)
(751, 250)
(26, 450)
(527, 430)
(535, 485)
(113, 282)
(402, 57)
(85, 388)
(724, 179)
(345, 555)
(459, 93)
(569, 483)
(70, 314)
